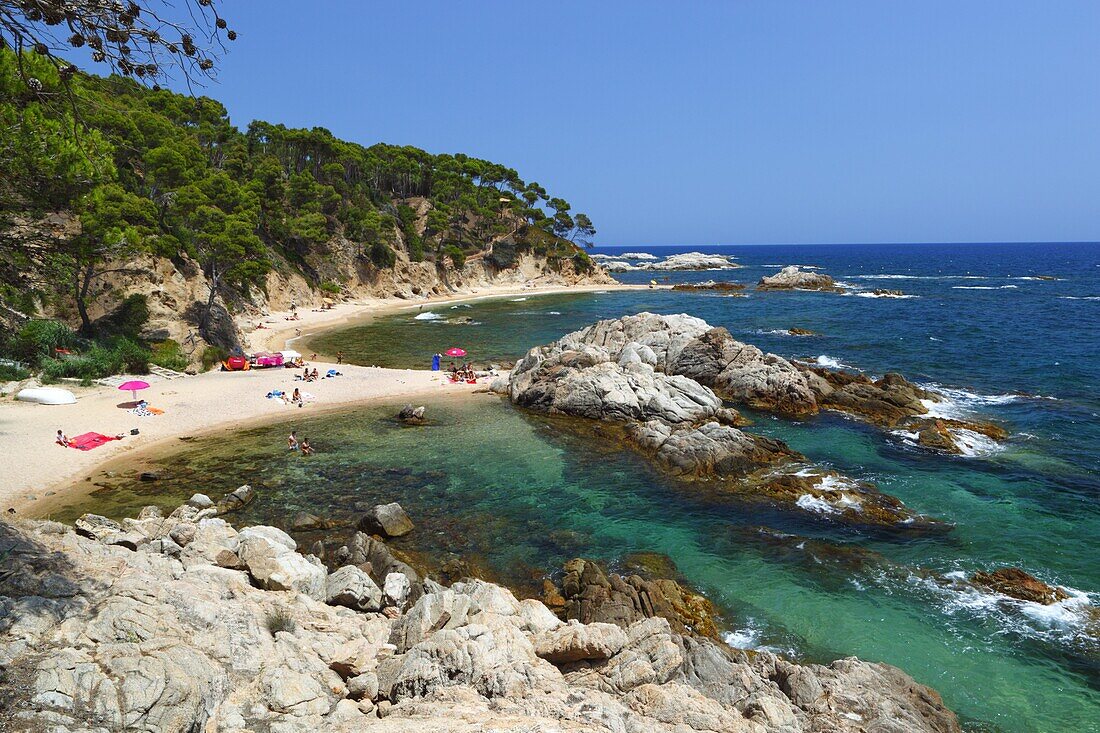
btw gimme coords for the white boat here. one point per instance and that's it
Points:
(46, 396)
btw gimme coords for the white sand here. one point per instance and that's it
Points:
(38, 472)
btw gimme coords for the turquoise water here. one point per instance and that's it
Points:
(524, 493)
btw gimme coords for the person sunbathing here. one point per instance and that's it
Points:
(296, 398)
(62, 439)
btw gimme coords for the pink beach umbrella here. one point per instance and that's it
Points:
(133, 386)
(455, 351)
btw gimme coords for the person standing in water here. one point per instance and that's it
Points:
(339, 357)
(292, 440)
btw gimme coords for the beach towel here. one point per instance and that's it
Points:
(88, 441)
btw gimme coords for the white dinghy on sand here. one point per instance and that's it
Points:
(46, 396)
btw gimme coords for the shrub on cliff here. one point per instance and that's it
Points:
(503, 255)
(382, 256)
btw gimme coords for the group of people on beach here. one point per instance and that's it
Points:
(461, 373)
(308, 376)
(303, 446)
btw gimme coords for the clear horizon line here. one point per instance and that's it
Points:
(828, 244)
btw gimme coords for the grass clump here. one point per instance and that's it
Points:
(280, 620)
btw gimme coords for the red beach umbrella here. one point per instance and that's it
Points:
(133, 386)
(455, 351)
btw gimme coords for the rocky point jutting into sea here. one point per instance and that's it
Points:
(184, 623)
(661, 380)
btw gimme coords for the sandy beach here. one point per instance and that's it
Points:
(42, 471)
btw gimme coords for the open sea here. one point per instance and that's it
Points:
(519, 494)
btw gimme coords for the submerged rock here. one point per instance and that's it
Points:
(793, 277)
(412, 415)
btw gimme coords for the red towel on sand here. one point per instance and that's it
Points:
(87, 441)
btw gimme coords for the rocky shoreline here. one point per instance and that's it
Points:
(184, 623)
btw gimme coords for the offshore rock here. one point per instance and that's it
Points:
(793, 277)
(1018, 584)
(662, 378)
(728, 288)
(886, 401)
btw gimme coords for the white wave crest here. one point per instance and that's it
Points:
(518, 300)
(1079, 297)
(811, 503)
(984, 287)
(919, 277)
(428, 316)
(831, 363)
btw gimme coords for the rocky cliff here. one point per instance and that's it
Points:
(183, 623)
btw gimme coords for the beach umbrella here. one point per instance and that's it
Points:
(133, 386)
(455, 351)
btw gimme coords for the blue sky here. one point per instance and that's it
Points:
(715, 122)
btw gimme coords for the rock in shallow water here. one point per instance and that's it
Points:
(387, 520)
(793, 277)
(1018, 584)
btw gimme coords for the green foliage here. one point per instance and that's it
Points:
(9, 373)
(458, 257)
(382, 256)
(36, 341)
(582, 262)
(168, 354)
(212, 356)
(117, 355)
(503, 255)
(152, 172)
(330, 287)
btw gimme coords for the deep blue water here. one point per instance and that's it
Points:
(1005, 346)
